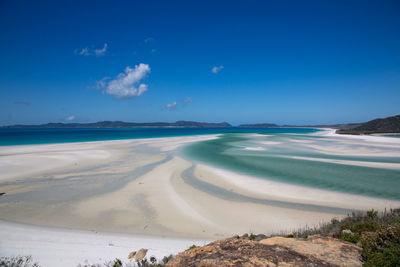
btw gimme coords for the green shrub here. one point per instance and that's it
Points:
(18, 261)
(153, 260)
(166, 259)
(382, 248)
(192, 246)
(117, 263)
(372, 214)
(353, 238)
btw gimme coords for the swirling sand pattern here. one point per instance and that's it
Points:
(171, 187)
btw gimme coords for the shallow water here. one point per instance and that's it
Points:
(270, 156)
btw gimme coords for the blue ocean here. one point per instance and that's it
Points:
(29, 136)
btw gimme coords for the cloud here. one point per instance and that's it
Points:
(187, 101)
(126, 84)
(70, 118)
(90, 52)
(101, 84)
(217, 69)
(83, 52)
(171, 106)
(101, 52)
(22, 102)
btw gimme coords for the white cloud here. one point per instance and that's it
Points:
(70, 118)
(102, 83)
(89, 52)
(217, 69)
(127, 84)
(171, 106)
(101, 52)
(82, 52)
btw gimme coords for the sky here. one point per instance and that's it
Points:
(285, 62)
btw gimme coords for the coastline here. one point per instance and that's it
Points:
(67, 247)
(143, 189)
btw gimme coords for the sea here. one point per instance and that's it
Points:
(31, 136)
(289, 155)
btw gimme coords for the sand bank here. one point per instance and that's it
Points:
(145, 191)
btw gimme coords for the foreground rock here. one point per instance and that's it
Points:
(275, 251)
(140, 254)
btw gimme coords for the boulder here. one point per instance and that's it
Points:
(140, 254)
(131, 255)
(275, 251)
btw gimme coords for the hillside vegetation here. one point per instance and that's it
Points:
(386, 125)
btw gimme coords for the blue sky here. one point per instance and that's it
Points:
(296, 62)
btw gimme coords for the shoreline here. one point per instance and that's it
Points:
(365, 137)
(51, 246)
(144, 189)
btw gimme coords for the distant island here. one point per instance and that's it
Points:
(260, 125)
(385, 125)
(121, 124)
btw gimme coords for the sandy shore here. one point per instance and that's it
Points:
(148, 195)
(64, 247)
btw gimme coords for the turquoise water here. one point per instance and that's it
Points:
(270, 159)
(268, 156)
(25, 136)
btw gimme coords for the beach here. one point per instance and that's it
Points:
(122, 195)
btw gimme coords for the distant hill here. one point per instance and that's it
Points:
(272, 125)
(121, 124)
(259, 125)
(386, 125)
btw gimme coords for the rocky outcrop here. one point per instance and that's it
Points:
(139, 255)
(275, 251)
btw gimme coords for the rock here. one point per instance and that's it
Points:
(331, 250)
(140, 254)
(131, 255)
(276, 251)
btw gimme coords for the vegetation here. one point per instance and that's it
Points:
(377, 234)
(152, 262)
(18, 261)
(252, 236)
(386, 125)
(192, 246)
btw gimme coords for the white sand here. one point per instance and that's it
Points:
(140, 189)
(368, 138)
(63, 247)
(268, 189)
(257, 148)
(384, 165)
